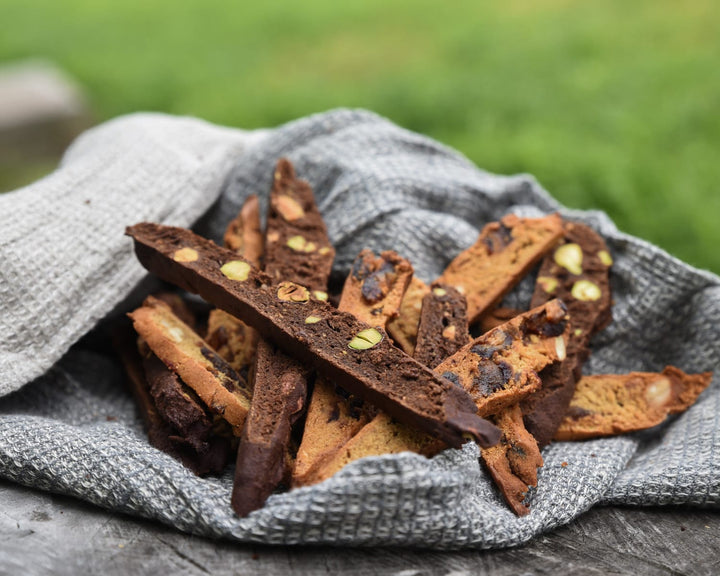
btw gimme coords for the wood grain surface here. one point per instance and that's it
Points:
(42, 533)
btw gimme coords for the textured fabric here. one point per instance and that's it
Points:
(65, 265)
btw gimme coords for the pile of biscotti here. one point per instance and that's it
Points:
(296, 387)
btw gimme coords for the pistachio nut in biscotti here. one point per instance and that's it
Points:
(279, 381)
(443, 329)
(577, 272)
(381, 374)
(372, 292)
(231, 338)
(609, 404)
(219, 387)
(503, 254)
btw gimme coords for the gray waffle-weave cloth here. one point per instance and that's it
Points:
(67, 424)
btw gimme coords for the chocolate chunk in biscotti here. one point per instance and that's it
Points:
(514, 461)
(220, 388)
(577, 272)
(372, 293)
(403, 329)
(279, 398)
(443, 327)
(609, 404)
(503, 254)
(358, 357)
(499, 368)
(297, 247)
(231, 338)
(201, 459)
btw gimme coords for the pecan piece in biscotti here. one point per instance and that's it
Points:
(502, 255)
(372, 292)
(577, 272)
(220, 388)
(609, 404)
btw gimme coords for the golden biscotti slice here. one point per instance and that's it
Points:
(503, 254)
(403, 329)
(609, 404)
(231, 338)
(499, 368)
(372, 293)
(220, 388)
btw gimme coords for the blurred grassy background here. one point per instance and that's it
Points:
(611, 105)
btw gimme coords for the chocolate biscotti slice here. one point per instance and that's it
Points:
(220, 388)
(403, 329)
(609, 404)
(297, 247)
(356, 356)
(443, 329)
(279, 381)
(372, 293)
(231, 338)
(499, 368)
(577, 272)
(503, 254)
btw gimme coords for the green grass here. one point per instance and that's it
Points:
(611, 105)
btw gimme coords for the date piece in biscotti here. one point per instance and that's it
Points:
(403, 329)
(503, 254)
(443, 330)
(211, 458)
(577, 272)
(514, 461)
(605, 405)
(220, 388)
(279, 381)
(499, 368)
(297, 247)
(356, 356)
(372, 292)
(231, 338)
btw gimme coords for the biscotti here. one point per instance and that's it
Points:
(343, 349)
(605, 405)
(503, 254)
(403, 329)
(220, 388)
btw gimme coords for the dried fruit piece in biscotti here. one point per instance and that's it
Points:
(499, 368)
(403, 329)
(231, 338)
(609, 404)
(382, 374)
(443, 329)
(581, 260)
(201, 459)
(372, 292)
(279, 381)
(514, 461)
(220, 388)
(502, 255)
(297, 247)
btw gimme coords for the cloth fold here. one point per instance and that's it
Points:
(67, 424)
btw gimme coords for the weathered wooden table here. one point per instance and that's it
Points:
(41, 533)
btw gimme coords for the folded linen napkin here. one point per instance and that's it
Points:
(68, 425)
